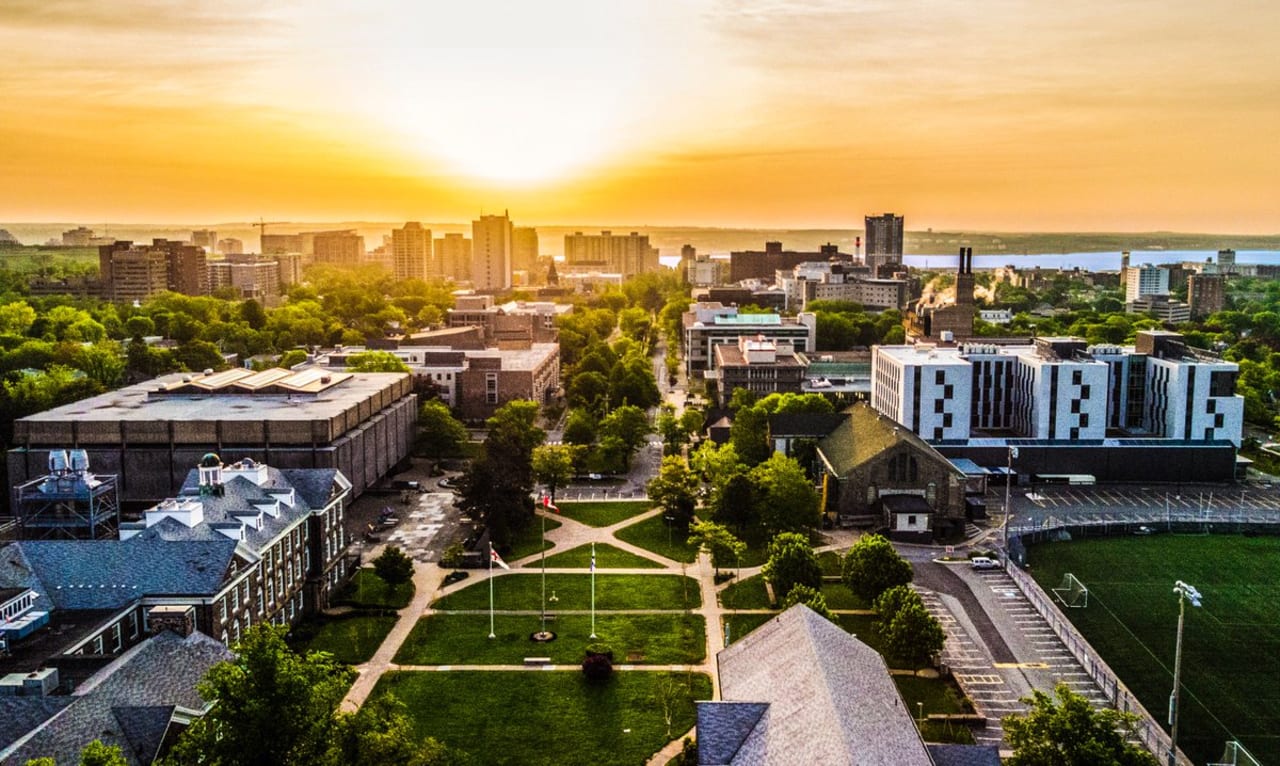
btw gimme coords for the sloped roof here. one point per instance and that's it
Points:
(17, 573)
(812, 424)
(830, 700)
(108, 574)
(122, 703)
(866, 434)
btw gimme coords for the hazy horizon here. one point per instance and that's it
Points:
(1011, 116)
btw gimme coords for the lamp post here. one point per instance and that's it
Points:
(1185, 593)
(1008, 487)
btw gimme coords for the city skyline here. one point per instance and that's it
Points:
(1092, 117)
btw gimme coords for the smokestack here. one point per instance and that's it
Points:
(961, 271)
(968, 268)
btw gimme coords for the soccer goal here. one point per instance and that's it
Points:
(1072, 592)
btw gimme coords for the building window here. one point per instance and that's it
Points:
(911, 521)
(491, 387)
(97, 644)
(1077, 377)
(946, 420)
(117, 641)
(1085, 390)
(1084, 420)
(133, 624)
(939, 377)
(937, 405)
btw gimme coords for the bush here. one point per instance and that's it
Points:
(452, 556)
(598, 667)
(394, 567)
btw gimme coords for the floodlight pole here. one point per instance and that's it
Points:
(1184, 592)
(1008, 487)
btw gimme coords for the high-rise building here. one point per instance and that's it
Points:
(453, 258)
(342, 248)
(1206, 293)
(77, 237)
(411, 251)
(206, 238)
(1140, 281)
(884, 240)
(252, 276)
(524, 248)
(1226, 261)
(230, 246)
(281, 243)
(608, 252)
(491, 252)
(130, 272)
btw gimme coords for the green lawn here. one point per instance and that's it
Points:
(603, 514)
(840, 597)
(607, 557)
(746, 594)
(529, 541)
(938, 695)
(741, 624)
(653, 534)
(462, 639)
(352, 640)
(367, 590)
(832, 563)
(544, 719)
(1231, 646)
(523, 590)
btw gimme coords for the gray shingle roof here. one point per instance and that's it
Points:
(830, 699)
(108, 574)
(16, 572)
(19, 715)
(144, 728)
(159, 673)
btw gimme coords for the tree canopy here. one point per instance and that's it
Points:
(1065, 730)
(872, 567)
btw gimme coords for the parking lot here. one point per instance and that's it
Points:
(1179, 497)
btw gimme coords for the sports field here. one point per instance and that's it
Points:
(1231, 645)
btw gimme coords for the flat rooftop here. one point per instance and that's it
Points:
(138, 402)
(518, 359)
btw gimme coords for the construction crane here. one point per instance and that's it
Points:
(262, 230)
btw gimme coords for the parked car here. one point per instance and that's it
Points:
(982, 562)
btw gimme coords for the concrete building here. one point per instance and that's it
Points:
(149, 434)
(764, 265)
(80, 236)
(206, 238)
(491, 253)
(251, 276)
(1161, 307)
(514, 321)
(608, 252)
(1206, 294)
(130, 272)
(1144, 280)
(760, 365)
(524, 249)
(411, 251)
(1227, 261)
(884, 240)
(230, 246)
(495, 376)
(272, 244)
(707, 325)
(338, 248)
(701, 270)
(453, 258)
(589, 282)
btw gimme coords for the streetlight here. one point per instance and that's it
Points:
(1008, 486)
(1185, 593)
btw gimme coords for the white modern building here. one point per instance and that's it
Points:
(1145, 280)
(1060, 389)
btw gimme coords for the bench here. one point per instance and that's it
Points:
(537, 660)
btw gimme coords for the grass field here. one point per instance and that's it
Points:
(746, 594)
(603, 514)
(523, 591)
(652, 534)
(352, 640)
(544, 719)
(1231, 646)
(367, 589)
(462, 639)
(529, 541)
(607, 557)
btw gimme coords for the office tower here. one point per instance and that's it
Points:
(272, 244)
(206, 238)
(607, 252)
(453, 258)
(524, 248)
(884, 240)
(411, 251)
(77, 237)
(230, 246)
(491, 252)
(1145, 280)
(137, 272)
(341, 248)
(1226, 261)
(1206, 293)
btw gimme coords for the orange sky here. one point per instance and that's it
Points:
(1006, 114)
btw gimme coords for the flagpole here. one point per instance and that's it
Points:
(544, 572)
(593, 589)
(491, 633)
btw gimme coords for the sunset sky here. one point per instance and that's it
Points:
(1094, 115)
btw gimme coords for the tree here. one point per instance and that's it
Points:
(718, 541)
(810, 597)
(872, 566)
(791, 562)
(376, 361)
(197, 355)
(675, 488)
(913, 635)
(1065, 730)
(98, 754)
(498, 484)
(786, 500)
(440, 433)
(892, 601)
(580, 428)
(749, 434)
(670, 694)
(272, 705)
(291, 357)
(380, 733)
(629, 423)
(394, 567)
(553, 465)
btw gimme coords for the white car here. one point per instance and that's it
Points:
(982, 562)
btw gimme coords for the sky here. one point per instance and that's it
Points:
(1013, 115)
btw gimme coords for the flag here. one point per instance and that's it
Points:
(497, 559)
(546, 502)
(593, 559)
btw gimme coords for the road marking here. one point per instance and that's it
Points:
(1029, 665)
